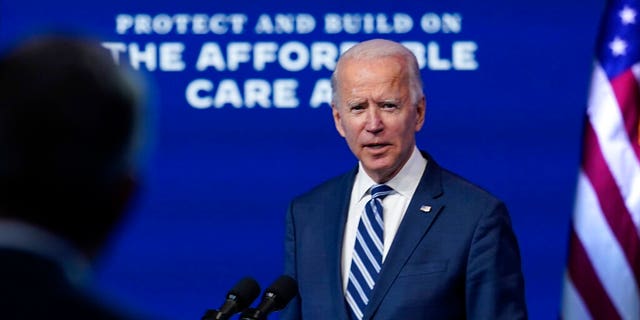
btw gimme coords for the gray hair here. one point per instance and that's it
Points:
(381, 48)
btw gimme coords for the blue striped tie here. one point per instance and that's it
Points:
(367, 253)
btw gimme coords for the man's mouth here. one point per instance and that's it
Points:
(376, 145)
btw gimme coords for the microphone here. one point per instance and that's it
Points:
(238, 299)
(274, 298)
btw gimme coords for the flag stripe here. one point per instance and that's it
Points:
(586, 281)
(611, 202)
(627, 94)
(608, 122)
(604, 251)
(636, 72)
(574, 307)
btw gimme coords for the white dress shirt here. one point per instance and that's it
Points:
(394, 206)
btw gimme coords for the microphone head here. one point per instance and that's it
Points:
(282, 291)
(244, 292)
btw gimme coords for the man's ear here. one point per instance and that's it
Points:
(126, 191)
(337, 119)
(421, 109)
(122, 198)
(95, 232)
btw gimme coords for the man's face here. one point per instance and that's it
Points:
(375, 114)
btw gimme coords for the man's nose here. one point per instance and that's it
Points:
(374, 120)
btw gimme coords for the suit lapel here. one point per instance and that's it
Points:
(334, 229)
(414, 226)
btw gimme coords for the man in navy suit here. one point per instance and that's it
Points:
(448, 249)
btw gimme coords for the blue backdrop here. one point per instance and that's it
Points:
(237, 92)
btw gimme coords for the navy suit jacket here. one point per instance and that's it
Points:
(460, 260)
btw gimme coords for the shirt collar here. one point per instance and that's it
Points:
(404, 183)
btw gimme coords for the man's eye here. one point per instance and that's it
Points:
(357, 108)
(389, 106)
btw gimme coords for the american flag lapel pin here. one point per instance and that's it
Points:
(425, 208)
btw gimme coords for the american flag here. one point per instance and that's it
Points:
(602, 279)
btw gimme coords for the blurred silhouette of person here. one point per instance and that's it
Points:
(68, 122)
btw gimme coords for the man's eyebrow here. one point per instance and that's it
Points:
(355, 102)
(390, 100)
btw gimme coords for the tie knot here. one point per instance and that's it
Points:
(380, 191)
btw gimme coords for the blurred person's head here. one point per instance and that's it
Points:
(68, 119)
(378, 105)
